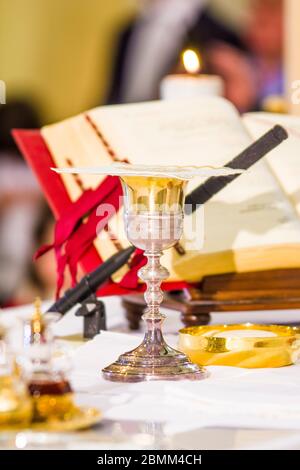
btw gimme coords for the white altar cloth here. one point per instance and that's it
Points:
(229, 398)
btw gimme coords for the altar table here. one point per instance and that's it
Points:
(233, 409)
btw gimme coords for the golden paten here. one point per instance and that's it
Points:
(228, 345)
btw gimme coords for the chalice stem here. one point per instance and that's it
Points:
(153, 273)
(153, 359)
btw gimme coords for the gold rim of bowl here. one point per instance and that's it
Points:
(197, 343)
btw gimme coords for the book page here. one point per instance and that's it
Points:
(74, 142)
(203, 131)
(251, 211)
(173, 130)
(285, 160)
(251, 223)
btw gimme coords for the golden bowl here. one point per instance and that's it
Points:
(247, 345)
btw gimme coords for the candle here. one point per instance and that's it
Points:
(192, 83)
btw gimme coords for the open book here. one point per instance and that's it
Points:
(253, 224)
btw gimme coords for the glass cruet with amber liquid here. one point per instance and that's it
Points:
(48, 386)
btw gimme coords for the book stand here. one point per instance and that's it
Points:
(234, 292)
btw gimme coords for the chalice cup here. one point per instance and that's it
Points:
(153, 216)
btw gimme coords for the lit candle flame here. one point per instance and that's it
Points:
(191, 61)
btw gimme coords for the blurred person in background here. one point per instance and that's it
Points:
(250, 62)
(253, 77)
(19, 202)
(150, 46)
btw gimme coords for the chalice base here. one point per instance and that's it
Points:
(165, 363)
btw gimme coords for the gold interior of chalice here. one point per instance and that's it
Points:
(152, 194)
